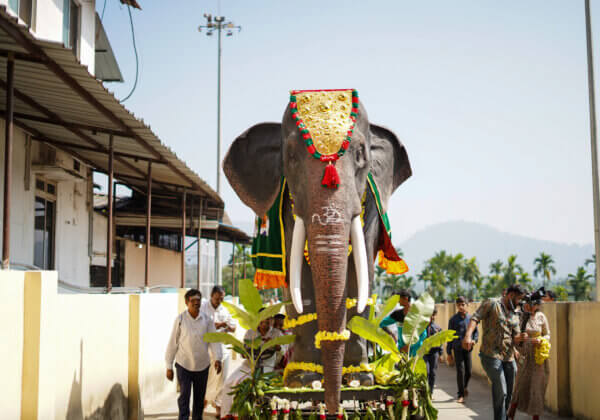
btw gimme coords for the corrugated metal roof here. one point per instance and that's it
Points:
(58, 100)
(105, 63)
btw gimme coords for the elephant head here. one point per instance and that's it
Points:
(328, 219)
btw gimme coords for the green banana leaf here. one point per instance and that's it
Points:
(270, 311)
(278, 341)
(370, 331)
(436, 340)
(417, 318)
(421, 368)
(225, 338)
(254, 344)
(249, 296)
(372, 308)
(388, 307)
(248, 321)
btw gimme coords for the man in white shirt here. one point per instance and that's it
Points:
(223, 323)
(189, 351)
(267, 361)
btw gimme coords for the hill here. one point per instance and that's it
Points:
(488, 245)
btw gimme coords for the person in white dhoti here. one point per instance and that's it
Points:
(223, 323)
(267, 362)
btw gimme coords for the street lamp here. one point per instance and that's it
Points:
(593, 138)
(218, 24)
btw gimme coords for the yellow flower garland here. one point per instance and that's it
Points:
(313, 367)
(306, 318)
(542, 352)
(302, 319)
(330, 336)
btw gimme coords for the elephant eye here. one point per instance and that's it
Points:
(360, 156)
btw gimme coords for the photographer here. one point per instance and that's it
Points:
(500, 332)
(532, 376)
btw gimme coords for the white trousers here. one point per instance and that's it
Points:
(237, 376)
(214, 386)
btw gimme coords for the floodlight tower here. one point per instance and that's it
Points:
(218, 24)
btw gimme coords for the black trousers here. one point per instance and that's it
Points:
(187, 380)
(462, 358)
(431, 360)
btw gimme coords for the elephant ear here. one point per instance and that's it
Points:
(389, 161)
(253, 166)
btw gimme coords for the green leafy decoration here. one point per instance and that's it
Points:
(388, 307)
(248, 321)
(270, 311)
(421, 367)
(249, 296)
(418, 318)
(225, 338)
(278, 341)
(370, 331)
(436, 340)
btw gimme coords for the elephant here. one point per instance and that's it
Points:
(254, 165)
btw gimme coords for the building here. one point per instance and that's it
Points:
(60, 126)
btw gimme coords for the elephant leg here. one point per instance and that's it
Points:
(304, 347)
(355, 353)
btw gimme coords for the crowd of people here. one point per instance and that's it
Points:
(512, 330)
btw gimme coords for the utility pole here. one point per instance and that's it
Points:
(219, 24)
(594, 141)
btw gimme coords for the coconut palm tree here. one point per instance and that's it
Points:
(511, 271)
(524, 278)
(580, 285)
(472, 277)
(544, 266)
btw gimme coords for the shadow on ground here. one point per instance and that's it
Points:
(477, 406)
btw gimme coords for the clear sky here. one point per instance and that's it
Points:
(489, 98)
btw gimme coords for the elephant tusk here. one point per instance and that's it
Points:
(296, 261)
(359, 251)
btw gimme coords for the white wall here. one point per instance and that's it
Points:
(72, 226)
(49, 21)
(72, 212)
(91, 359)
(22, 202)
(11, 335)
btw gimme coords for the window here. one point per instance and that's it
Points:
(71, 25)
(44, 224)
(24, 9)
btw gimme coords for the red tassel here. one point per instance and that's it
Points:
(331, 179)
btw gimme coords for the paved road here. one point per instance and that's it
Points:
(478, 405)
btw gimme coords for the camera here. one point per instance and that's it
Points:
(535, 297)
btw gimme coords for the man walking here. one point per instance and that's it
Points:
(500, 333)
(456, 353)
(432, 357)
(189, 351)
(223, 322)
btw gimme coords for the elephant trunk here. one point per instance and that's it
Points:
(328, 251)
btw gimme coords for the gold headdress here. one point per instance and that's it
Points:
(326, 121)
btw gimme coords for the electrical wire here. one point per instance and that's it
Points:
(103, 9)
(137, 61)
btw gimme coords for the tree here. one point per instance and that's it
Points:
(544, 267)
(511, 271)
(524, 278)
(241, 252)
(580, 285)
(493, 287)
(562, 294)
(473, 278)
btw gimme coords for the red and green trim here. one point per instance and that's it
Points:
(330, 179)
